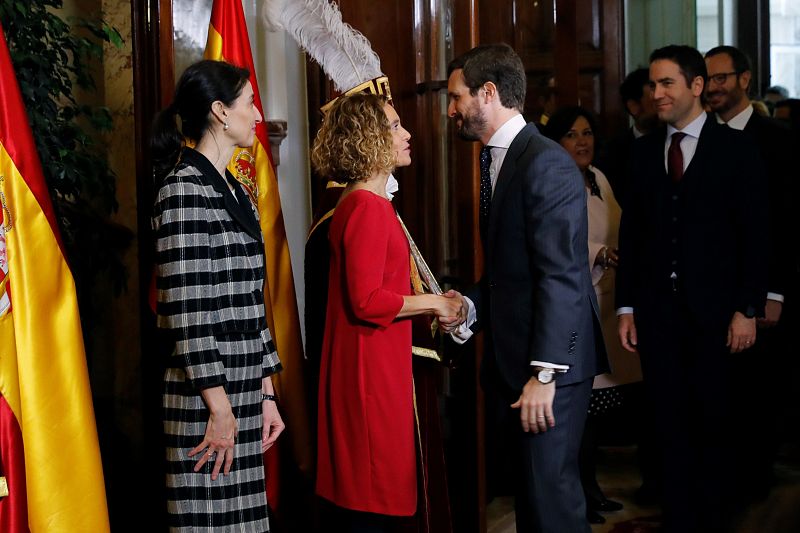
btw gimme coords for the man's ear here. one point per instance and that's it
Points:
(744, 80)
(698, 86)
(490, 91)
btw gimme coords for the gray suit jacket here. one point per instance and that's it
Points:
(536, 293)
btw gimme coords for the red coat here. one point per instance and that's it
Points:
(366, 452)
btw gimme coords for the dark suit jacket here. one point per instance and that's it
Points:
(614, 161)
(717, 218)
(536, 294)
(774, 140)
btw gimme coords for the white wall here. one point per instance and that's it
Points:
(280, 67)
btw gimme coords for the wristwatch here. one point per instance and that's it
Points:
(749, 311)
(544, 375)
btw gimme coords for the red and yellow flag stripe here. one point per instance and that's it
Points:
(49, 451)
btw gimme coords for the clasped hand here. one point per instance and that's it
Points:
(452, 311)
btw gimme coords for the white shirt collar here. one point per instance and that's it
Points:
(391, 187)
(739, 121)
(506, 133)
(693, 128)
(637, 132)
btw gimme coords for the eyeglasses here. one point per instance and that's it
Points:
(722, 77)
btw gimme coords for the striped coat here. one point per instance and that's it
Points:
(209, 280)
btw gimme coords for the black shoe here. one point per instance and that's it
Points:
(606, 506)
(594, 517)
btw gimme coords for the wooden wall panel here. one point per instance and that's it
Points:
(564, 43)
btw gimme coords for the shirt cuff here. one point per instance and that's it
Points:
(554, 366)
(463, 333)
(625, 311)
(775, 296)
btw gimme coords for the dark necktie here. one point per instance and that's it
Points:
(594, 188)
(675, 157)
(485, 201)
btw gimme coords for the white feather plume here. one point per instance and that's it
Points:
(344, 53)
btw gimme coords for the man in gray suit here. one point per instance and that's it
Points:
(535, 299)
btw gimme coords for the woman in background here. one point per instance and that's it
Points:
(366, 462)
(218, 402)
(574, 128)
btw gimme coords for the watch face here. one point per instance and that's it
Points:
(545, 376)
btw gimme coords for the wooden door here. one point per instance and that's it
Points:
(573, 49)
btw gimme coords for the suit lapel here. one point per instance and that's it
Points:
(506, 176)
(240, 207)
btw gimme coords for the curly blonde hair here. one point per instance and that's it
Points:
(354, 141)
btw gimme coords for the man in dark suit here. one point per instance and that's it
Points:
(637, 97)
(692, 274)
(535, 299)
(729, 77)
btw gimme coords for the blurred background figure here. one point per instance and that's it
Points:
(773, 95)
(729, 80)
(573, 128)
(637, 97)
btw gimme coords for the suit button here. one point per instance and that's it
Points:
(674, 219)
(674, 196)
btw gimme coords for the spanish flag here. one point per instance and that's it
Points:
(228, 41)
(49, 455)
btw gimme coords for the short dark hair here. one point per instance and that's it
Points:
(689, 61)
(633, 86)
(562, 120)
(741, 63)
(497, 63)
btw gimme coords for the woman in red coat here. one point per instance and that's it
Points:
(366, 452)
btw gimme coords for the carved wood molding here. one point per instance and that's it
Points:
(277, 133)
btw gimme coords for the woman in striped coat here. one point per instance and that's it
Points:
(218, 401)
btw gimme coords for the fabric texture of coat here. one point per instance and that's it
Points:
(209, 279)
(536, 295)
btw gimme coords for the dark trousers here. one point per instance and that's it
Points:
(547, 485)
(587, 461)
(687, 372)
(756, 450)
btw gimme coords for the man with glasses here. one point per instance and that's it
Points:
(729, 76)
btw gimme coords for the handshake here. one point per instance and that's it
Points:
(450, 309)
